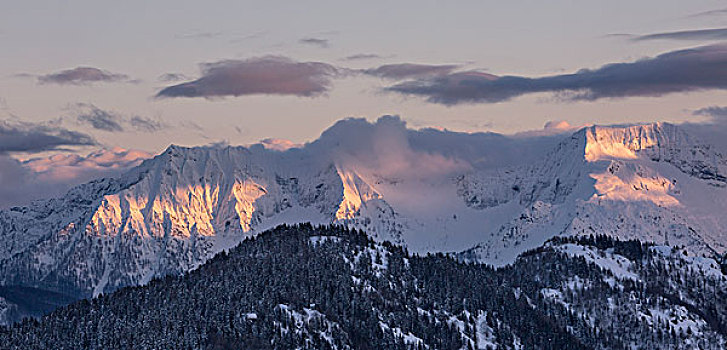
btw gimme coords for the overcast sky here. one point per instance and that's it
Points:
(144, 74)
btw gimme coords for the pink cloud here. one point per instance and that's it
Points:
(279, 144)
(37, 178)
(70, 167)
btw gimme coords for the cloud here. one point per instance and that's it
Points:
(172, 77)
(557, 125)
(361, 57)
(717, 12)
(99, 119)
(323, 43)
(72, 167)
(409, 70)
(686, 70)
(387, 149)
(256, 35)
(146, 124)
(269, 75)
(712, 111)
(199, 35)
(713, 131)
(551, 128)
(279, 144)
(383, 148)
(620, 35)
(14, 179)
(103, 120)
(21, 183)
(29, 137)
(81, 76)
(699, 34)
(37, 178)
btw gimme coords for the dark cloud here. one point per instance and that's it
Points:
(80, 76)
(14, 177)
(687, 70)
(717, 12)
(361, 57)
(712, 111)
(37, 137)
(699, 34)
(99, 119)
(44, 177)
(172, 77)
(324, 43)
(409, 70)
(146, 124)
(270, 75)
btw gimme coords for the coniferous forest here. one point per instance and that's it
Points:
(306, 287)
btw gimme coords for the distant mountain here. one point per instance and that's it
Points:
(303, 287)
(430, 191)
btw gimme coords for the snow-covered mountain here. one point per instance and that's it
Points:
(649, 182)
(429, 190)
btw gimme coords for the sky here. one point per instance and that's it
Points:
(87, 87)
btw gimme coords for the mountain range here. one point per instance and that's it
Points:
(483, 198)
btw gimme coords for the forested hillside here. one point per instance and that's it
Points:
(333, 288)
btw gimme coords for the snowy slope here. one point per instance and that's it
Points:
(172, 213)
(648, 182)
(184, 206)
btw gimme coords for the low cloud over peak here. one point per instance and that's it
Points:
(558, 125)
(269, 75)
(686, 70)
(279, 144)
(81, 76)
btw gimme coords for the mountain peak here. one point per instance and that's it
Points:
(659, 142)
(625, 142)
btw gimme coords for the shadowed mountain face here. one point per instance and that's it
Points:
(431, 191)
(331, 288)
